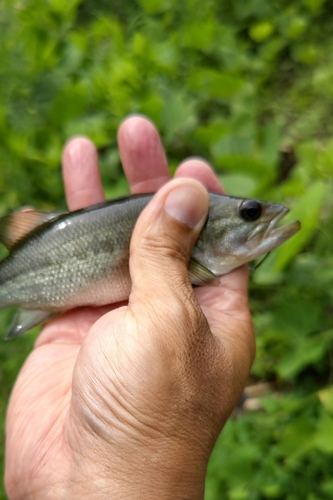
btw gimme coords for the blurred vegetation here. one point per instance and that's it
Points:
(247, 85)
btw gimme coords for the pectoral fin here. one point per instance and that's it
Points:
(24, 320)
(200, 275)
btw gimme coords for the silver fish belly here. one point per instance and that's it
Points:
(61, 261)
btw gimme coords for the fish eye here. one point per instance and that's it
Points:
(250, 210)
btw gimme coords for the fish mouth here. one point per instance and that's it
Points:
(271, 226)
(284, 231)
(267, 235)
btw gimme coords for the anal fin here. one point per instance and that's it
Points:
(26, 319)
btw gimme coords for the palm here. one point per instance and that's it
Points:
(39, 407)
(40, 401)
(42, 394)
(227, 305)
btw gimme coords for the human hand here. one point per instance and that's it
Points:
(127, 401)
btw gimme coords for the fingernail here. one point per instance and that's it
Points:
(187, 204)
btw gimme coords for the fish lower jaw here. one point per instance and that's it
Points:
(263, 244)
(283, 233)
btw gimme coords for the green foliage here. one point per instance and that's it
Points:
(285, 452)
(247, 85)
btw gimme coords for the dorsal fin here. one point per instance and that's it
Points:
(14, 226)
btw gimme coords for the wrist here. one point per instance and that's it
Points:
(147, 476)
(138, 486)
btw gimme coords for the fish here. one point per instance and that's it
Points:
(63, 260)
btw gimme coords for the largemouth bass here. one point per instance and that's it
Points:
(59, 261)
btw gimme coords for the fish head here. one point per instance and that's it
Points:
(239, 231)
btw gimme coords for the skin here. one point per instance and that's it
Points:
(127, 401)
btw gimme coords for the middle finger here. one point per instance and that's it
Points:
(142, 154)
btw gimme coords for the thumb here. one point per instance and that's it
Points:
(163, 240)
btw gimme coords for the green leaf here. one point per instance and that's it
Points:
(306, 53)
(324, 435)
(152, 107)
(260, 31)
(95, 127)
(326, 399)
(178, 114)
(211, 133)
(152, 6)
(307, 210)
(296, 27)
(240, 185)
(305, 353)
(298, 319)
(314, 6)
(297, 439)
(241, 164)
(215, 84)
(62, 6)
(199, 36)
(69, 103)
